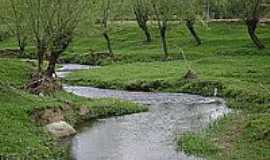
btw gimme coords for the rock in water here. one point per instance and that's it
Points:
(61, 129)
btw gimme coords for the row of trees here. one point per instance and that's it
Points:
(50, 24)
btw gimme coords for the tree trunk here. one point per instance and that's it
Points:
(40, 61)
(52, 62)
(142, 17)
(190, 26)
(21, 50)
(252, 26)
(40, 53)
(22, 45)
(164, 41)
(142, 22)
(109, 45)
(60, 44)
(147, 34)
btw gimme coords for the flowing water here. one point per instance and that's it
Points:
(143, 136)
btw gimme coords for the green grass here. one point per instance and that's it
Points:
(238, 73)
(237, 136)
(14, 72)
(20, 136)
(196, 145)
(228, 61)
(128, 40)
(129, 46)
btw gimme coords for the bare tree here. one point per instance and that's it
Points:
(106, 11)
(103, 12)
(52, 25)
(251, 11)
(163, 11)
(106, 6)
(190, 26)
(252, 21)
(14, 18)
(62, 27)
(142, 13)
(190, 12)
(39, 15)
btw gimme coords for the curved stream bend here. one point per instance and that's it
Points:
(144, 136)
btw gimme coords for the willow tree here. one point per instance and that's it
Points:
(251, 12)
(67, 16)
(103, 10)
(190, 12)
(52, 26)
(14, 17)
(106, 9)
(141, 10)
(38, 15)
(163, 11)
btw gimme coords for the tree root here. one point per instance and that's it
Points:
(43, 85)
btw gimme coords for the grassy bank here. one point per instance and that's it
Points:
(23, 138)
(243, 73)
(243, 136)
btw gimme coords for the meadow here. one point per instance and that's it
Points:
(227, 61)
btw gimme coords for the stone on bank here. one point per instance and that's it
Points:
(61, 129)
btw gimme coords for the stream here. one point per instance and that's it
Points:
(143, 136)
